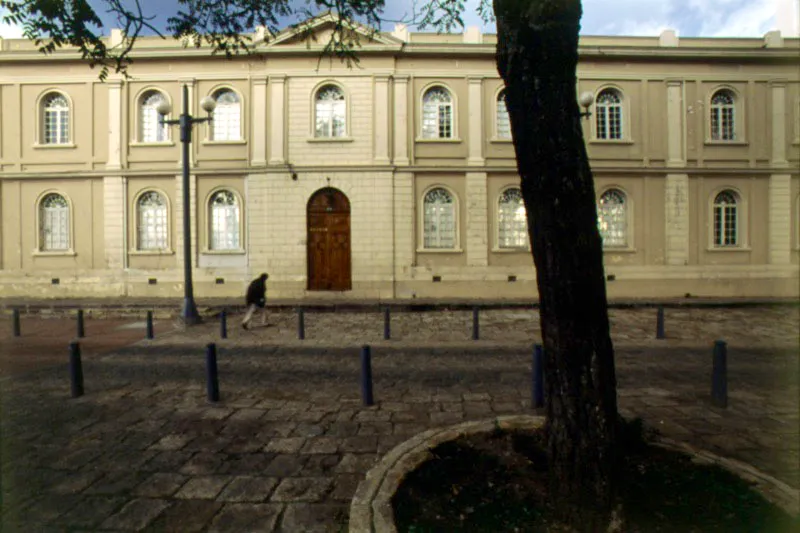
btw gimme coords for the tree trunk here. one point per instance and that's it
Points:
(537, 55)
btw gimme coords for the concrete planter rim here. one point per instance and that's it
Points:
(371, 508)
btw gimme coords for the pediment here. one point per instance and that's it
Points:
(319, 30)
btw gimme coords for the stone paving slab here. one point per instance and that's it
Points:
(287, 444)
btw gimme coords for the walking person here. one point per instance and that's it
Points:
(256, 299)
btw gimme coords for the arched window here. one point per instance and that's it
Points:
(224, 217)
(439, 219)
(150, 128)
(612, 218)
(152, 221)
(723, 116)
(227, 123)
(437, 114)
(55, 119)
(726, 223)
(609, 114)
(53, 223)
(512, 225)
(329, 109)
(503, 122)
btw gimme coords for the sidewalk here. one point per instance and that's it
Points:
(289, 440)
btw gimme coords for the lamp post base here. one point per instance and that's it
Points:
(189, 314)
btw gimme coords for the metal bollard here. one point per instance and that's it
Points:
(366, 375)
(387, 324)
(719, 375)
(15, 319)
(212, 377)
(223, 324)
(301, 324)
(660, 323)
(150, 325)
(538, 376)
(75, 370)
(475, 324)
(81, 332)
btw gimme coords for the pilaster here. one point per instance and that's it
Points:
(477, 238)
(114, 161)
(401, 120)
(778, 90)
(676, 197)
(403, 195)
(780, 219)
(114, 210)
(675, 124)
(381, 107)
(277, 136)
(258, 120)
(475, 106)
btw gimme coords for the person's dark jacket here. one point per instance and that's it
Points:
(257, 292)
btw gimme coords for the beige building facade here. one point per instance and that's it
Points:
(395, 178)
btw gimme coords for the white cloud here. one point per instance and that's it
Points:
(9, 31)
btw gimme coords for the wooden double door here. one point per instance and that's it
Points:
(328, 215)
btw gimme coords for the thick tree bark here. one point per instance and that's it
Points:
(537, 55)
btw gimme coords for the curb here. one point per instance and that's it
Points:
(371, 508)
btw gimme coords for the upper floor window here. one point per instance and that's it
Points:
(151, 130)
(224, 217)
(439, 219)
(608, 114)
(55, 119)
(227, 122)
(329, 110)
(612, 218)
(152, 222)
(502, 121)
(53, 223)
(726, 219)
(512, 225)
(437, 114)
(723, 114)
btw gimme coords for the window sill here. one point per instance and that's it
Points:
(729, 249)
(611, 141)
(161, 144)
(208, 142)
(620, 250)
(710, 142)
(329, 139)
(520, 250)
(54, 253)
(439, 250)
(238, 251)
(502, 140)
(438, 140)
(54, 146)
(151, 252)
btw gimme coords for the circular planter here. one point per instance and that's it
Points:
(371, 508)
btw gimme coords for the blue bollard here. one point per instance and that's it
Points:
(81, 332)
(15, 319)
(538, 376)
(223, 324)
(212, 377)
(660, 323)
(301, 324)
(150, 334)
(387, 324)
(366, 375)
(75, 370)
(719, 375)
(475, 324)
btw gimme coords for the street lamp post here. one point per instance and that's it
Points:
(586, 99)
(189, 313)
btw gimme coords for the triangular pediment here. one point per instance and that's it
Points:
(319, 30)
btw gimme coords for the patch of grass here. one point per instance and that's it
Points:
(497, 482)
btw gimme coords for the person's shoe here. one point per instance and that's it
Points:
(244, 326)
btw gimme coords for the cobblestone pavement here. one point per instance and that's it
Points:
(289, 441)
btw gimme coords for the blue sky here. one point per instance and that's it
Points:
(707, 18)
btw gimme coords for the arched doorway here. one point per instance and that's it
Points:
(328, 215)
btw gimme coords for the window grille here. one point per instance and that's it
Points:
(153, 223)
(151, 130)
(330, 112)
(56, 120)
(224, 221)
(726, 219)
(512, 224)
(609, 114)
(439, 224)
(722, 116)
(437, 114)
(503, 122)
(613, 218)
(227, 122)
(54, 223)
